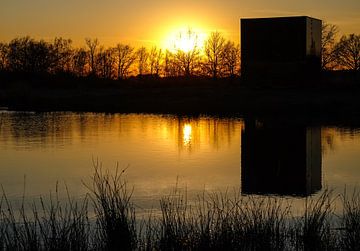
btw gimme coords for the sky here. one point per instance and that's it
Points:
(153, 22)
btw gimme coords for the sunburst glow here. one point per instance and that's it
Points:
(185, 39)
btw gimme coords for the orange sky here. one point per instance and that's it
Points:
(141, 22)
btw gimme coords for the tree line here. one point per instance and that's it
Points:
(217, 58)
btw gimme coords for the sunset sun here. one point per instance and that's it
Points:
(185, 39)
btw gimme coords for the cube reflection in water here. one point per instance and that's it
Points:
(280, 159)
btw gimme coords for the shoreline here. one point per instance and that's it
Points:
(224, 97)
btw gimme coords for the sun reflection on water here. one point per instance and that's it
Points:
(187, 131)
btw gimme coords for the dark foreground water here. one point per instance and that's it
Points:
(159, 151)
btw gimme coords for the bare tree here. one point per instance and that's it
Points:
(214, 52)
(27, 55)
(155, 58)
(348, 52)
(188, 61)
(125, 58)
(142, 58)
(105, 61)
(79, 62)
(231, 58)
(92, 44)
(158, 62)
(328, 35)
(169, 64)
(61, 53)
(4, 50)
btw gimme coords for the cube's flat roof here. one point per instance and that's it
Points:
(278, 18)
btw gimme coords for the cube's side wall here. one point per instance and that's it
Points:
(313, 37)
(313, 44)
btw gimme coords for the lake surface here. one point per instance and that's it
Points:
(160, 151)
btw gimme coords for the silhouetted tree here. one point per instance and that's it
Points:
(348, 52)
(188, 61)
(214, 52)
(155, 58)
(171, 66)
(28, 55)
(125, 58)
(105, 61)
(231, 58)
(4, 50)
(142, 59)
(93, 45)
(168, 59)
(329, 32)
(62, 55)
(80, 64)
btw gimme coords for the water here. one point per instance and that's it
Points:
(159, 151)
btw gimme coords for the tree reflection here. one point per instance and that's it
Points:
(190, 134)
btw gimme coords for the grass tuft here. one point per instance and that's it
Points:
(350, 239)
(115, 214)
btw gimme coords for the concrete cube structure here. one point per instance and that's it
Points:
(280, 47)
